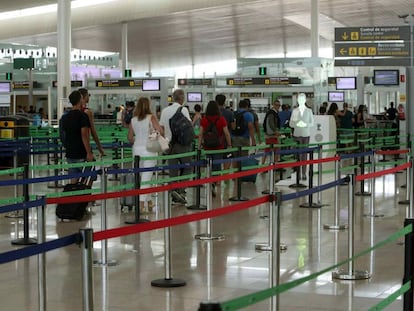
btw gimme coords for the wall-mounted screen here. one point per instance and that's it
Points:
(336, 97)
(151, 85)
(346, 83)
(4, 87)
(386, 77)
(194, 97)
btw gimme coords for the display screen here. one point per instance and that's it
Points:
(151, 85)
(337, 97)
(386, 77)
(346, 83)
(194, 97)
(4, 87)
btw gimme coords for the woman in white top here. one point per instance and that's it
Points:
(138, 132)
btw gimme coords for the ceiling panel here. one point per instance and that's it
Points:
(192, 32)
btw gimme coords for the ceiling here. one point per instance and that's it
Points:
(171, 33)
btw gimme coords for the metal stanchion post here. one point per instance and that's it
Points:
(362, 183)
(198, 205)
(41, 258)
(320, 174)
(56, 183)
(409, 266)
(26, 240)
(87, 270)
(351, 274)
(336, 225)
(408, 183)
(372, 199)
(116, 157)
(411, 189)
(239, 196)
(104, 243)
(273, 222)
(168, 280)
(16, 214)
(209, 235)
(310, 203)
(137, 181)
(275, 241)
(297, 184)
(274, 161)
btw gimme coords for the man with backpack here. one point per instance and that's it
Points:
(176, 122)
(243, 131)
(271, 126)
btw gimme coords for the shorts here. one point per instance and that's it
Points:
(269, 141)
(240, 141)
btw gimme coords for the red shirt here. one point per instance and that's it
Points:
(220, 123)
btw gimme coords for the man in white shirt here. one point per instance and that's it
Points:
(178, 96)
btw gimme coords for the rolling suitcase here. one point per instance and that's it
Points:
(74, 210)
(245, 166)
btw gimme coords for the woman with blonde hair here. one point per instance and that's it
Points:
(142, 122)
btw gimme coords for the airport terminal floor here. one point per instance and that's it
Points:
(219, 270)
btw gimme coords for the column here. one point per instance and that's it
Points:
(315, 28)
(124, 48)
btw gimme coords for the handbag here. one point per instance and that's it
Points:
(155, 141)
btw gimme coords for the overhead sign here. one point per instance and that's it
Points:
(373, 62)
(385, 33)
(359, 49)
(119, 83)
(263, 81)
(208, 82)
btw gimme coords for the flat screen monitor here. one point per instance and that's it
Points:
(346, 83)
(151, 85)
(4, 87)
(194, 97)
(387, 77)
(336, 97)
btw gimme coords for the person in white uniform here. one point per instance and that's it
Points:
(302, 121)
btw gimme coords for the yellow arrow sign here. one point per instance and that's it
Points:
(343, 51)
(345, 36)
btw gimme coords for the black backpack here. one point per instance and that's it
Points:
(128, 116)
(211, 137)
(181, 129)
(241, 125)
(273, 114)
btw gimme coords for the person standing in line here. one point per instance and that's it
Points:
(302, 121)
(197, 116)
(76, 128)
(247, 137)
(256, 124)
(229, 116)
(346, 117)
(178, 96)
(138, 131)
(271, 124)
(85, 100)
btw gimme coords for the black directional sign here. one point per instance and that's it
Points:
(360, 49)
(385, 33)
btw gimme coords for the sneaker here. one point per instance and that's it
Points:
(178, 198)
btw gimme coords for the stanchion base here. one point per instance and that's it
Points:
(53, 186)
(168, 283)
(133, 222)
(209, 237)
(363, 194)
(298, 186)
(109, 263)
(373, 215)
(24, 241)
(15, 214)
(197, 207)
(313, 205)
(336, 227)
(346, 275)
(239, 199)
(406, 202)
(267, 247)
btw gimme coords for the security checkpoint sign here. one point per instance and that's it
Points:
(380, 49)
(383, 33)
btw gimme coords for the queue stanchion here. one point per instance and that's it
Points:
(267, 191)
(408, 297)
(407, 182)
(87, 270)
(336, 225)
(274, 222)
(209, 235)
(411, 189)
(41, 258)
(297, 184)
(198, 205)
(351, 273)
(319, 195)
(409, 148)
(116, 157)
(275, 242)
(56, 183)
(104, 224)
(310, 203)
(239, 196)
(168, 281)
(362, 166)
(26, 240)
(372, 199)
(16, 214)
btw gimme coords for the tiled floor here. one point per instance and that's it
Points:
(218, 270)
